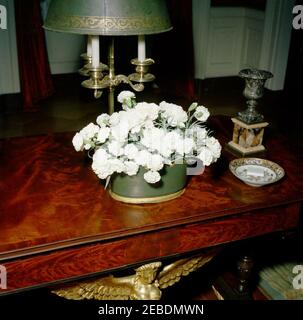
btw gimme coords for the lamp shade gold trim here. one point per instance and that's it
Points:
(114, 17)
(107, 25)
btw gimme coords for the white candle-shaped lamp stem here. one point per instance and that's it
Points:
(89, 46)
(95, 52)
(141, 48)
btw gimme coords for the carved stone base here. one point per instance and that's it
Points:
(247, 138)
(145, 284)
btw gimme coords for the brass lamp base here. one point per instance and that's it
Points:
(247, 138)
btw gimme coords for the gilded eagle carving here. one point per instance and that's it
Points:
(145, 284)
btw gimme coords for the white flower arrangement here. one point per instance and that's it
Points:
(147, 135)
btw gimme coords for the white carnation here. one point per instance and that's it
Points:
(174, 114)
(115, 148)
(130, 168)
(103, 172)
(201, 113)
(185, 146)
(153, 138)
(103, 134)
(103, 119)
(165, 150)
(133, 120)
(100, 156)
(89, 131)
(169, 144)
(143, 158)
(114, 119)
(125, 97)
(152, 176)
(205, 156)
(116, 165)
(78, 142)
(172, 139)
(131, 151)
(101, 165)
(201, 133)
(214, 146)
(149, 124)
(147, 111)
(120, 132)
(155, 162)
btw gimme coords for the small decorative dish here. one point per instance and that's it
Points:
(256, 172)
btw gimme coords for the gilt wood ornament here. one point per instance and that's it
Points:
(145, 284)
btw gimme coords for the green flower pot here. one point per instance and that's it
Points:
(134, 189)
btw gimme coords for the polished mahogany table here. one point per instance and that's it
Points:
(57, 222)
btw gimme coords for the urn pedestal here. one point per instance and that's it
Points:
(249, 125)
(247, 138)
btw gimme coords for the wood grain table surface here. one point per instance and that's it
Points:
(57, 222)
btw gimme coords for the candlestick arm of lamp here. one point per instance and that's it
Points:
(107, 82)
(98, 81)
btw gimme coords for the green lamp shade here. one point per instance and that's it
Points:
(108, 17)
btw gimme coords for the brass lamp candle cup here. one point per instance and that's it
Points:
(142, 74)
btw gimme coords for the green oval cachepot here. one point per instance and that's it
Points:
(134, 189)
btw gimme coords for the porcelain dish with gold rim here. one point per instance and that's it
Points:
(256, 172)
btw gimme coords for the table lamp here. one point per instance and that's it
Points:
(110, 18)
